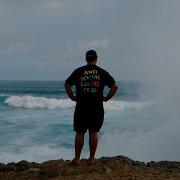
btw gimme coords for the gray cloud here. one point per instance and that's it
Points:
(55, 4)
(56, 28)
(15, 49)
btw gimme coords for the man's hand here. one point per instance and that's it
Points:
(105, 99)
(73, 98)
(69, 92)
(111, 93)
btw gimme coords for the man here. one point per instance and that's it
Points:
(90, 81)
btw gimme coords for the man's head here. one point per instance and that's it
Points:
(91, 56)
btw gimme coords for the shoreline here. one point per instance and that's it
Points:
(115, 168)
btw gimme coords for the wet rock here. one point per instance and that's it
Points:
(2, 165)
(50, 169)
(11, 163)
(124, 159)
(164, 164)
(139, 163)
(106, 169)
(6, 168)
(119, 167)
(24, 165)
(150, 164)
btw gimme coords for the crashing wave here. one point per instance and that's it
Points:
(39, 102)
(28, 101)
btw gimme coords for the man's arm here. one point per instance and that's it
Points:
(111, 93)
(69, 91)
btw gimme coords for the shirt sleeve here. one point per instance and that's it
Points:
(108, 80)
(72, 79)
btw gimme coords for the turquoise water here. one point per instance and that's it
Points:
(36, 119)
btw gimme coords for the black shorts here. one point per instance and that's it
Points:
(88, 119)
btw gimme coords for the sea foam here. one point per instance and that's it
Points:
(28, 101)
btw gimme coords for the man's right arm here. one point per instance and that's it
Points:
(69, 91)
(69, 82)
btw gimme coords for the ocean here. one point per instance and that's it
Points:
(36, 122)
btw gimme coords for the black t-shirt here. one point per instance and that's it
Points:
(90, 81)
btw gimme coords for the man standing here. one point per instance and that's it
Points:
(90, 81)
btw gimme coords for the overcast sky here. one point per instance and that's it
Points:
(47, 39)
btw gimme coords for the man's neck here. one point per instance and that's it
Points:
(91, 63)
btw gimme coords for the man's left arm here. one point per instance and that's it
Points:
(111, 93)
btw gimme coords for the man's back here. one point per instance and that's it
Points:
(90, 81)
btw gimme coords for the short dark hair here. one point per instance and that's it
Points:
(91, 55)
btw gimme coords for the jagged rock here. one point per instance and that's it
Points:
(12, 163)
(106, 169)
(7, 168)
(139, 163)
(50, 169)
(119, 167)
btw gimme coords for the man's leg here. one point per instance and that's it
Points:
(93, 141)
(79, 142)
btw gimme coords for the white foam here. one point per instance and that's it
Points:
(161, 143)
(28, 101)
(39, 102)
(123, 105)
(37, 154)
(4, 95)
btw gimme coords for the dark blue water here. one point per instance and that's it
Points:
(129, 89)
(36, 119)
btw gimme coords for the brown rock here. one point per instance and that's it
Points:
(106, 168)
